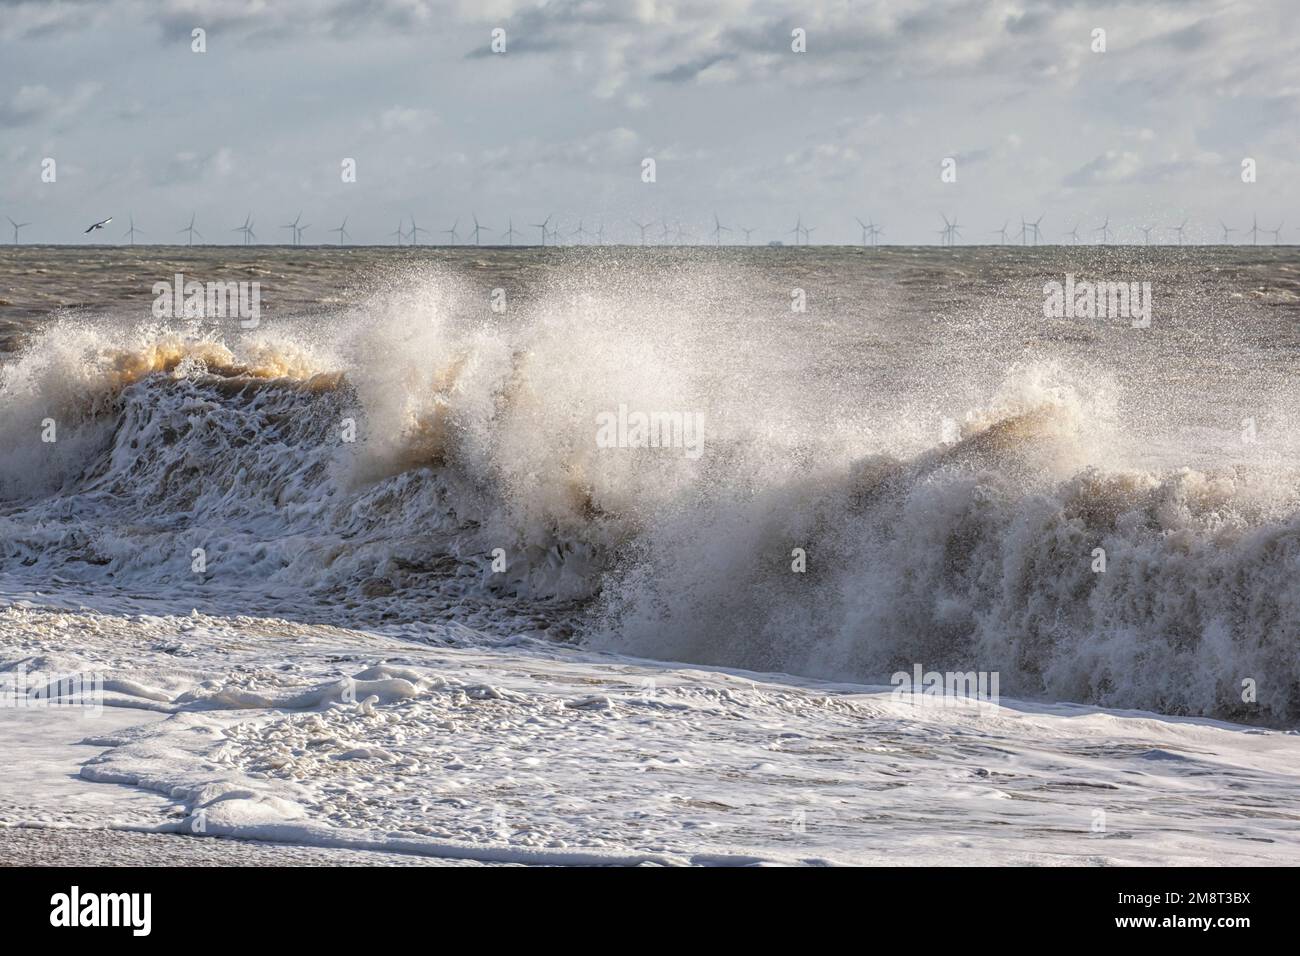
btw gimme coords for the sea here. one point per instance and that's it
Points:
(832, 462)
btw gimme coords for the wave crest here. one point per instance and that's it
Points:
(474, 434)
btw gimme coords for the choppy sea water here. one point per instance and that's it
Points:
(944, 463)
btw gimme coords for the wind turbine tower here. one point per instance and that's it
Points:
(293, 227)
(542, 226)
(718, 230)
(477, 229)
(1104, 229)
(798, 229)
(866, 230)
(191, 230)
(950, 230)
(1034, 226)
(17, 226)
(129, 235)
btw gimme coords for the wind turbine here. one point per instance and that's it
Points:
(1074, 233)
(876, 233)
(1027, 228)
(542, 226)
(399, 234)
(747, 233)
(1034, 226)
(448, 232)
(1179, 229)
(1104, 229)
(293, 226)
(1254, 230)
(342, 230)
(246, 228)
(579, 232)
(1277, 233)
(643, 226)
(130, 233)
(477, 229)
(719, 229)
(950, 230)
(1226, 231)
(600, 234)
(510, 233)
(191, 230)
(301, 229)
(797, 230)
(867, 230)
(1146, 234)
(17, 226)
(996, 232)
(807, 234)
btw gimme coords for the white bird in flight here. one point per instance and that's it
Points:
(98, 225)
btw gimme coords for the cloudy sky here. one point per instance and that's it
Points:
(1149, 132)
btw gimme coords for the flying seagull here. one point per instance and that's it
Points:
(98, 225)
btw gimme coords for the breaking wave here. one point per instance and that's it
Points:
(976, 550)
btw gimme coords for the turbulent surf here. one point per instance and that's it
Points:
(871, 492)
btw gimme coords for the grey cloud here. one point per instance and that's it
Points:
(734, 117)
(686, 72)
(35, 104)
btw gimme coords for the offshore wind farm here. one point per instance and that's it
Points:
(635, 231)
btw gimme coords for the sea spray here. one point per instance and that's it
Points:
(472, 437)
